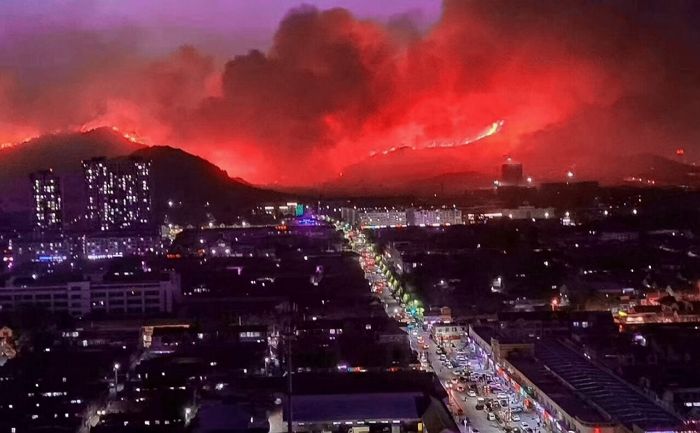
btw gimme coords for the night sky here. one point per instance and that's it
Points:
(278, 92)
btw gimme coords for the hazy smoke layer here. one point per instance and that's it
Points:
(574, 81)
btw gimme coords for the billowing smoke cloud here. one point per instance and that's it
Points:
(573, 80)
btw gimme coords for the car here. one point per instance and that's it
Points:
(460, 388)
(475, 430)
(479, 406)
(471, 393)
(524, 425)
(454, 380)
(515, 417)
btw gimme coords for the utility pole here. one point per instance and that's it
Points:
(116, 377)
(290, 367)
(289, 381)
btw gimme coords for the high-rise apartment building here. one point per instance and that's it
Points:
(118, 193)
(48, 209)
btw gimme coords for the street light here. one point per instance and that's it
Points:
(116, 376)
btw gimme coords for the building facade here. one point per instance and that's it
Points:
(118, 193)
(108, 247)
(47, 215)
(79, 298)
(385, 217)
(511, 173)
(433, 217)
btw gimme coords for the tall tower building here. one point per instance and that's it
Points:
(118, 193)
(511, 173)
(96, 176)
(48, 208)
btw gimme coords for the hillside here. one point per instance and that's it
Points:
(196, 187)
(61, 152)
(186, 180)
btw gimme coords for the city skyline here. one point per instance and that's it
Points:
(349, 216)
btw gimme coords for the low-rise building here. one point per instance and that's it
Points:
(82, 297)
(444, 332)
(433, 217)
(106, 247)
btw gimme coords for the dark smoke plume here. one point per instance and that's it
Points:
(575, 81)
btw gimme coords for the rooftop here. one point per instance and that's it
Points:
(352, 407)
(610, 393)
(562, 395)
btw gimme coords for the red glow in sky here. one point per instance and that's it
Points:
(573, 82)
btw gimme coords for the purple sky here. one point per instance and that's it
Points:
(223, 27)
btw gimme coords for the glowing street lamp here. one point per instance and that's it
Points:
(116, 376)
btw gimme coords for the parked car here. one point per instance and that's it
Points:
(471, 393)
(515, 417)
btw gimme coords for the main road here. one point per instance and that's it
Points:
(462, 406)
(467, 417)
